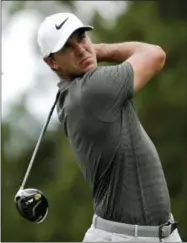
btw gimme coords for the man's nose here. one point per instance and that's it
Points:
(79, 49)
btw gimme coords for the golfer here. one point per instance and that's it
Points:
(116, 156)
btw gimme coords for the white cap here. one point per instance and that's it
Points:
(55, 30)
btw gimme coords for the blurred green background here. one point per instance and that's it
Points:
(161, 106)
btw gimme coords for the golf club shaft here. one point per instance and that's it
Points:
(39, 142)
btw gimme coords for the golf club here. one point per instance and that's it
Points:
(31, 203)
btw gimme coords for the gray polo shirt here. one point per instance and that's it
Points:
(114, 153)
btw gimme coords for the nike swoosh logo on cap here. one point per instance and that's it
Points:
(60, 26)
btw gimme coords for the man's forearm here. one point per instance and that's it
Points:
(119, 52)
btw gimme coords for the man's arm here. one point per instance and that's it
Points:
(145, 59)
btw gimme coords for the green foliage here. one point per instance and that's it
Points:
(17, 6)
(161, 106)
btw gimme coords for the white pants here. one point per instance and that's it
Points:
(96, 235)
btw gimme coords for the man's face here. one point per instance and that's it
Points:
(76, 57)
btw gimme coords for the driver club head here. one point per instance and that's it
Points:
(31, 204)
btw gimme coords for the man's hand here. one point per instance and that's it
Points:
(97, 48)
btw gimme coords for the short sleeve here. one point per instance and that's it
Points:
(107, 88)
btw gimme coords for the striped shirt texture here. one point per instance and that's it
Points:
(116, 156)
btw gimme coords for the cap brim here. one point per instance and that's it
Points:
(64, 39)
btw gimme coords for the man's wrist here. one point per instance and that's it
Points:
(99, 49)
(109, 52)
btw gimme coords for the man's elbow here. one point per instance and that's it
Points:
(159, 57)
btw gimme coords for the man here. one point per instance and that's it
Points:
(116, 156)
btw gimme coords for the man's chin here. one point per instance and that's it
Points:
(90, 67)
(86, 69)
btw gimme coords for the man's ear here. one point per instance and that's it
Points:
(51, 62)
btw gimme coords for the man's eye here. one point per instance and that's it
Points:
(65, 47)
(82, 36)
